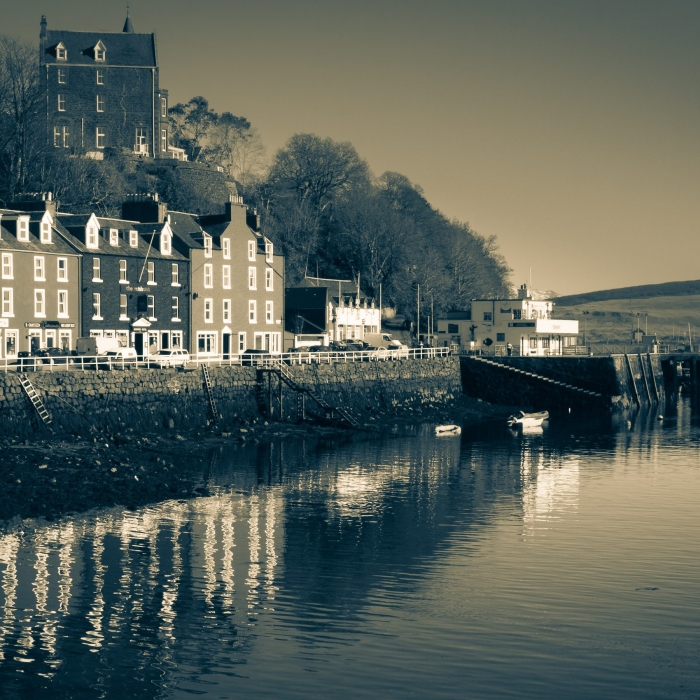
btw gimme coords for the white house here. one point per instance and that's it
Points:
(523, 323)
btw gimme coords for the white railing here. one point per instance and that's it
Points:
(84, 363)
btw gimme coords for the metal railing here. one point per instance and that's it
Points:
(84, 363)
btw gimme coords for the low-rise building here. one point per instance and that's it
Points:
(522, 326)
(41, 280)
(334, 308)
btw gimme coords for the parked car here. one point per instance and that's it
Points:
(397, 349)
(169, 358)
(118, 359)
(251, 358)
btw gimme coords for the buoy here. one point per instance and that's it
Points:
(661, 417)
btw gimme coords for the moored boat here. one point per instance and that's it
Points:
(528, 420)
(447, 430)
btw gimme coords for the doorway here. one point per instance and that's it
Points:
(138, 343)
(226, 342)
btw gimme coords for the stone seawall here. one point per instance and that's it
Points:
(152, 400)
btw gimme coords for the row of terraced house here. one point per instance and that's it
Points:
(153, 279)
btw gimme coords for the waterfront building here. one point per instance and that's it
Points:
(524, 324)
(236, 278)
(41, 280)
(337, 309)
(135, 283)
(102, 91)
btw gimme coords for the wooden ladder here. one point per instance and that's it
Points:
(38, 404)
(210, 393)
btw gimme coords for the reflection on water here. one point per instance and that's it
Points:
(402, 567)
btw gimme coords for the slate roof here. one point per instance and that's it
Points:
(9, 240)
(122, 48)
(348, 289)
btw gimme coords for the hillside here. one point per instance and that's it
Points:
(613, 320)
(644, 291)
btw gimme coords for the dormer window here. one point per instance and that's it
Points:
(91, 236)
(23, 228)
(226, 247)
(134, 239)
(45, 235)
(100, 51)
(61, 52)
(165, 244)
(114, 236)
(268, 251)
(207, 245)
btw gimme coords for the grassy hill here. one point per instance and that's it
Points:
(614, 319)
(644, 291)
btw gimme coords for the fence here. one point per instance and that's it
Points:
(82, 363)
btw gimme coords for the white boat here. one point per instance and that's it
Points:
(527, 420)
(447, 430)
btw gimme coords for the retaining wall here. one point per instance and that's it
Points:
(150, 400)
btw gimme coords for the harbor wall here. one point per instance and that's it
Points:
(169, 399)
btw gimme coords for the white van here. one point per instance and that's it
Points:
(379, 340)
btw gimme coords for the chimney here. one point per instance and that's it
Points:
(35, 201)
(233, 200)
(145, 208)
(524, 292)
(42, 33)
(252, 218)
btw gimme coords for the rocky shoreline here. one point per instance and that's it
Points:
(49, 478)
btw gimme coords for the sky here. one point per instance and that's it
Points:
(568, 130)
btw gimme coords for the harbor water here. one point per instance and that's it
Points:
(562, 563)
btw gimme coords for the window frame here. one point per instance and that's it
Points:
(96, 306)
(123, 272)
(226, 310)
(123, 307)
(133, 239)
(100, 103)
(60, 268)
(175, 308)
(39, 268)
(8, 302)
(151, 271)
(269, 280)
(100, 137)
(208, 245)
(208, 276)
(100, 76)
(269, 311)
(23, 229)
(175, 275)
(8, 266)
(61, 102)
(208, 310)
(226, 248)
(62, 294)
(252, 311)
(226, 276)
(39, 303)
(61, 76)
(151, 307)
(252, 278)
(251, 250)
(97, 267)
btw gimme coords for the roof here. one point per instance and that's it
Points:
(348, 288)
(122, 48)
(186, 230)
(9, 240)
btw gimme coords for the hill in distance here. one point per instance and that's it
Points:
(643, 291)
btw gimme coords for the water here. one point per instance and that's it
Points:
(561, 564)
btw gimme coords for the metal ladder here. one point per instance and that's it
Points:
(210, 393)
(30, 391)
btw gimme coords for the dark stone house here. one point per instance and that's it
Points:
(103, 92)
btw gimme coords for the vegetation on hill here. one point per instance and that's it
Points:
(643, 291)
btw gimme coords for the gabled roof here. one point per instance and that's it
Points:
(9, 241)
(122, 48)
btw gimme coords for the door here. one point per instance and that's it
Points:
(226, 340)
(11, 344)
(34, 341)
(138, 343)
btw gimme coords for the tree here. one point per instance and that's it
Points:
(236, 147)
(190, 124)
(22, 138)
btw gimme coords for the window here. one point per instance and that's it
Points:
(208, 311)
(251, 250)
(488, 316)
(122, 308)
(61, 53)
(96, 306)
(151, 306)
(175, 275)
(7, 266)
(226, 247)
(545, 342)
(163, 140)
(453, 328)
(269, 277)
(163, 107)
(23, 228)
(39, 269)
(227, 311)
(113, 236)
(96, 268)
(226, 276)
(61, 76)
(100, 77)
(91, 237)
(61, 103)
(252, 278)
(100, 103)
(206, 343)
(165, 244)
(141, 142)
(62, 269)
(208, 276)
(500, 337)
(122, 272)
(8, 306)
(176, 308)
(39, 303)
(241, 342)
(268, 251)
(100, 51)
(176, 340)
(60, 137)
(269, 312)
(62, 303)
(45, 234)
(207, 246)
(151, 272)
(253, 311)
(533, 342)
(100, 137)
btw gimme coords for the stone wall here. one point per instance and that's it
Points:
(151, 400)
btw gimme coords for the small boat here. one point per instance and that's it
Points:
(527, 420)
(447, 430)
